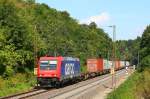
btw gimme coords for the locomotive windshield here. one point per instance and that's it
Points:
(48, 65)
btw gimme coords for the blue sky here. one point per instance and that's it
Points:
(130, 16)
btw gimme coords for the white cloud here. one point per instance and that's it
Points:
(100, 19)
(139, 30)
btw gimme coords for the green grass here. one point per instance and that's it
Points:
(137, 86)
(126, 90)
(16, 84)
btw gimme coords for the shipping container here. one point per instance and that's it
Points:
(127, 63)
(109, 64)
(122, 64)
(106, 64)
(94, 65)
(117, 64)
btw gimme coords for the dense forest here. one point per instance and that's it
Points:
(134, 49)
(145, 49)
(28, 29)
(128, 50)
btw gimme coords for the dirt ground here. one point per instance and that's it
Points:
(103, 91)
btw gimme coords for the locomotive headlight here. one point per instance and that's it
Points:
(55, 75)
(40, 75)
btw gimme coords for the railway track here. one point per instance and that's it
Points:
(70, 94)
(55, 93)
(69, 91)
(25, 94)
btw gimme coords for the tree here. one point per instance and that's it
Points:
(26, 26)
(145, 48)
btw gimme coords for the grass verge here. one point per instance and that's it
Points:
(16, 84)
(137, 86)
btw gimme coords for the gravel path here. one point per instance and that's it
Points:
(103, 91)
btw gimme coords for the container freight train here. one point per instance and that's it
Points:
(55, 71)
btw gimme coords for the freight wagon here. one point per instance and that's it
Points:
(94, 66)
(106, 65)
(122, 64)
(53, 71)
(117, 65)
(127, 63)
(97, 66)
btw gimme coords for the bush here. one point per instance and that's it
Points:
(9, 71)
(137, 86)
(145, 62)
(127, 89)
(143, 85)
(17, 83)
(2, 83)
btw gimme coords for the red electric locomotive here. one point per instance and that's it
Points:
(54, 71)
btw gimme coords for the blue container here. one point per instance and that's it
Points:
(70, 68)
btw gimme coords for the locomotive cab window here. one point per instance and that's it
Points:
(48, 65)
(53, 64)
